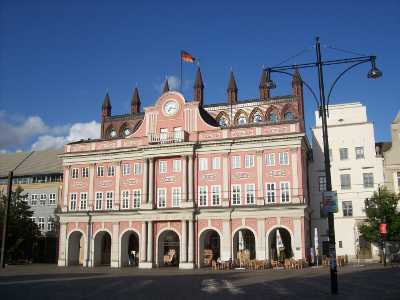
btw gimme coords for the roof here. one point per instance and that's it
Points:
(382, 147)
(35, 163)
(269, 101)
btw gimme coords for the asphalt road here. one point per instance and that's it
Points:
(51, 282)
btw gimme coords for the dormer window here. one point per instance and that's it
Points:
(288, 116)
(242, 120)
(272, 117)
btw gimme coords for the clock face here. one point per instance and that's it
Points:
(170, 107)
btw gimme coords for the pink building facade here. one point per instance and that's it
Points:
(184, 183)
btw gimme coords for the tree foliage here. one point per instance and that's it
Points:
(382, 207)
(22, 231)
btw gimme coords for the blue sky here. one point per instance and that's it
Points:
(58, 58)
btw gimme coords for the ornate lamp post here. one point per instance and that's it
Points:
(323, 103)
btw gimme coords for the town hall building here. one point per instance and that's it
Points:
(183, 183)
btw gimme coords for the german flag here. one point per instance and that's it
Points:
(187, 57)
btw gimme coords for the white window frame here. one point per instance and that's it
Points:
(161, 203)
(43, 199)
(100, 171)
(50, 224)
(249, 161)
(360, 155)
(73, 199)
(216, 163)
(75, 173)
(176, 196)
(250, 189)
(41, 223)
(283, 158)
(270, 159)
(137, 168)
(342, 186)
(85, 172)
(99, 200)
(163, 167)
(284, 191)
(369, 183)
(270, 192)
(52, 199)
(235, 161)
(34, 199)
(215, 195)
(203, 163)
(137, 198)
(109, 200)
(177, 165)
(83, 201)
(125, 199)
(344, 157)
(126, 169)
(110, 171)
(203, 195)
(236, 194)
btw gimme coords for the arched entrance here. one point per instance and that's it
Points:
(244, 246)
(168, 249)
(102, 249)
(281, 249)
(209, 247)
(76, 248)
(129, 249)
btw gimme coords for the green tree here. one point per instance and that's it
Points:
(22, 231)
(382, 207)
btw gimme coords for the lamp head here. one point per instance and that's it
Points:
(374, 73)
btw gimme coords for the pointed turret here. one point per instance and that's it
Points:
(297, 83)
(263, 86)
(232, 89)
(106, 107)
(135, 102)
(198, 87)
(166, 86)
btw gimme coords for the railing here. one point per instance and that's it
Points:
(168, 137)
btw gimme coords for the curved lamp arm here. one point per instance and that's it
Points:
(341, 75)
(303, 82)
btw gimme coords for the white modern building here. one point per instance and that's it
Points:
(356, 173)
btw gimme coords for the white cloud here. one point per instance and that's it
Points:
(173, 82)
(49, 142)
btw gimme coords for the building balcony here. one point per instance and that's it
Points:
(168, 137)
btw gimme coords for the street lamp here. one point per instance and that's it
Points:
(322, 104)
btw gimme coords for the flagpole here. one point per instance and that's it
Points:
(181, 74)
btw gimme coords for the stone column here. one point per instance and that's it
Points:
(145, 181)
(117, 186)
(297, 242)
(260, 189)
(190, 242)
(89, 254)
(189, 264)
(184, 179)
(150, 242)
(225, 187)
(115, 263)
(142, 251)
(225, 240)
(260, 250)
(62, 253)
(183, 250)
(151, 183)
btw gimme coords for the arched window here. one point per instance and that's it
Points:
(272, 117)
(112, 133)
(223, 122)
(288, 116)
(126, 131)
(242, 120)
(257, 118)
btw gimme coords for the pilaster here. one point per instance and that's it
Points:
(115, 245)
(260, 189)
(62, 259)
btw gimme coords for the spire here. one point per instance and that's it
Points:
(263, 86)
(232, 89)
(198, 87)
(106, 107)
(106, 101)
(166, 86)
(135, 102)
(297, 83)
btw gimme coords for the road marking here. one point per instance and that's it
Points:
(231, 288)
(212, 286)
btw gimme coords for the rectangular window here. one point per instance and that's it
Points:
(368, 180)
(176, 196)
(250, 193)
(270, 192)
(216, 194)
(163, 166)
(137, 198)
(235, 162)
(85, 172)
(322, 183)
(340, 244)
(249, 161)
(347, 208)
(270, 159)
(110, 171)
(163, 135)
(283, 158)
(43, 198)
(359, 152)
(176, 165)
(83, 201)
(161, 198)
(34, 199)
(33, 219)
(216, 163)
(41, 223)
(178, 134)
(138, 169)
(285, 192)
(343, 153)
(203, 164)
(52, 199)
(109, 200)
(203, 196)
(236, 194)
(126, 169)
(125, 199)
(345, 181)
(50, 224)
(75, 173)
(72, 204)
(100, 171)
(99, 200)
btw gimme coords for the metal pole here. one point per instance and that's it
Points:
(5, 221)
(331, 223)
